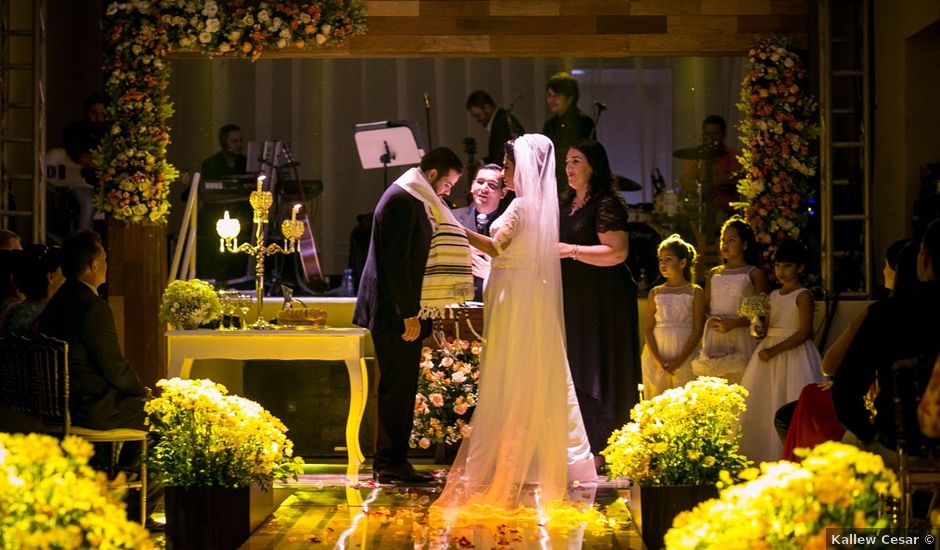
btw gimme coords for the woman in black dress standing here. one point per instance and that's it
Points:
(601, 317)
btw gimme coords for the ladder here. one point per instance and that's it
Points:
(845, 157)
(23, 117)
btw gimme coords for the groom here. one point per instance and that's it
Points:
(389, 301)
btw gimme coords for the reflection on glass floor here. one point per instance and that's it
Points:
(321, 511)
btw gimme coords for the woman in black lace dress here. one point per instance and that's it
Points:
(601, 317)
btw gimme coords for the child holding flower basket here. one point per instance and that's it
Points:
(675, 315)
(725, 288)
(785, 361)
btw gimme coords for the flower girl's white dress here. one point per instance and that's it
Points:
(673, 327)
(772, 384)
(728, 288)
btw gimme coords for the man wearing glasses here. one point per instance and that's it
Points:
(488, 192)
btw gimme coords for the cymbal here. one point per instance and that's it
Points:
(627, 184)
(695, 153)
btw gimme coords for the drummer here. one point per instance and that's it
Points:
(719, 190)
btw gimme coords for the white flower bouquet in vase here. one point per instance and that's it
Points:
(189, 304)
(757, 309)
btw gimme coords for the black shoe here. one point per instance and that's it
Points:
(155, 526)
(401, 475)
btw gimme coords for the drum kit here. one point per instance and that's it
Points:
(671, 211)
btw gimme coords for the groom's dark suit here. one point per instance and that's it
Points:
(389, 292)
(104, 390)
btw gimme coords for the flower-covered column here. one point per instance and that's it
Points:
(778, 127)
(135, 176)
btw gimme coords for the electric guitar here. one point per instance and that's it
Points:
(61, 172)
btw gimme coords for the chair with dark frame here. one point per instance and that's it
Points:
(918, 455)
(35, 374)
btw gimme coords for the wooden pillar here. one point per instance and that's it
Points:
(137, 272)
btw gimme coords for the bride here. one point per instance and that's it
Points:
(527, 440)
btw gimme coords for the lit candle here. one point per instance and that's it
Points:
(294, 211)
(260, 181)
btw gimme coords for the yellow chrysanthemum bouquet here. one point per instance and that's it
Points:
(686, 436)
(51, 498)
(787, 505)
(207, 438)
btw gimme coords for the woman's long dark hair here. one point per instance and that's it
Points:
(601, 177)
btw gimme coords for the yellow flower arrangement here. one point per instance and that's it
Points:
(686, 436)
(786, 505)
(51, 498)
(207, 438)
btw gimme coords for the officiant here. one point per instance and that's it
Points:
(488, 191)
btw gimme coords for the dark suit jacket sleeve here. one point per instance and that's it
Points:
(398, 226)
(586, 127)
(500, 134)
(856, 374)
(100, 337)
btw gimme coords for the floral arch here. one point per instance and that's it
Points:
(141, 34)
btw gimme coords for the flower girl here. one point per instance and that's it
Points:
(675, 313)
(785, 361)
(728, 284)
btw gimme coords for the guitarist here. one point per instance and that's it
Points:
(487, 190)
(500, 123)
(80, 139)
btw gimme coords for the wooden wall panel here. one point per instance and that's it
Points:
(569, 28)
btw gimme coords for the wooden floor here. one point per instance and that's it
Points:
(320, 511)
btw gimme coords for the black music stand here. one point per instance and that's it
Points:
(389, 143)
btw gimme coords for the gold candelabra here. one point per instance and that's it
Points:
(228, 229)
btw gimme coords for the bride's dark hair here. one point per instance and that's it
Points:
(510, 150)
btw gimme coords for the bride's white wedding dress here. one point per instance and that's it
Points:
(527, 440)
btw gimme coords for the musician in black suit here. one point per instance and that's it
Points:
(568, 125)
(500, 123)
(229, 161)
(104, 389)
(388, 304)
(488, 191)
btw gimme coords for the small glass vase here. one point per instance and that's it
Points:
(188, 324)
(759, 326)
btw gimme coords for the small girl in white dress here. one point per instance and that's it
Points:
(675, 318)
(785, 361)
(727, 284)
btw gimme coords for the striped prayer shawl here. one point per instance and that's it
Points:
(447, 275)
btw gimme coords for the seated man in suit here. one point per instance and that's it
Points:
(488, 191)
(104, 390)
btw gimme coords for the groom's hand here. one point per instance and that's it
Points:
(412, 329)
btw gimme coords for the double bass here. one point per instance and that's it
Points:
(306, 245)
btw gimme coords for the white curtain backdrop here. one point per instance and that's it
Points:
(655, 105)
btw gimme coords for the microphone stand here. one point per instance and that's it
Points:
(386, 159)
(513, 134)
(427, 113)
(599, 108)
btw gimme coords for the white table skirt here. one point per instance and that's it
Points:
(329, 344)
